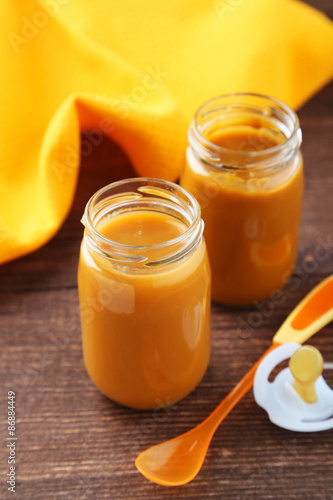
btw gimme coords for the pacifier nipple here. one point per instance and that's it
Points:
(306, 365)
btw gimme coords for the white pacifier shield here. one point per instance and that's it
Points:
(284, 405)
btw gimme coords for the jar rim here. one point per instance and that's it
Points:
(292, 141)
(188, 201)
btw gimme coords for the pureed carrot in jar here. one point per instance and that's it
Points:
(245, 168)
(144, 286)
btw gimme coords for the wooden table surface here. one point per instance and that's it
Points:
(74, 443)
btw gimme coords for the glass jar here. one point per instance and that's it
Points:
(144, 295)
(244, 166)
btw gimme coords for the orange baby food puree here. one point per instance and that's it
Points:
(251, 217)
(146, 340)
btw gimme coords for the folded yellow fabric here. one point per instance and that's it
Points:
(136, 71)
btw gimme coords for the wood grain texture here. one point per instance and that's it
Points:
(73, 443)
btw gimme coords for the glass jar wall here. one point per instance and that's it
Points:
(245, 168)
(144, 287)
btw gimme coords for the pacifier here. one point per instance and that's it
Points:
(298, 399)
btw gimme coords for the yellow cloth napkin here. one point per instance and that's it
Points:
(136, 71)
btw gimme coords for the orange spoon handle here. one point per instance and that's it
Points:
(312, 313)
(237, 393)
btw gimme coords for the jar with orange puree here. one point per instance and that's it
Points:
(144, 287)
(245, 168)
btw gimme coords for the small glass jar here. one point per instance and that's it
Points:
(145, 308)
(244, 166)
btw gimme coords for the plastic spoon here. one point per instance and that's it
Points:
(179, 460)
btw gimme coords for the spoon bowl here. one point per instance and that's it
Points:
(174, 462)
